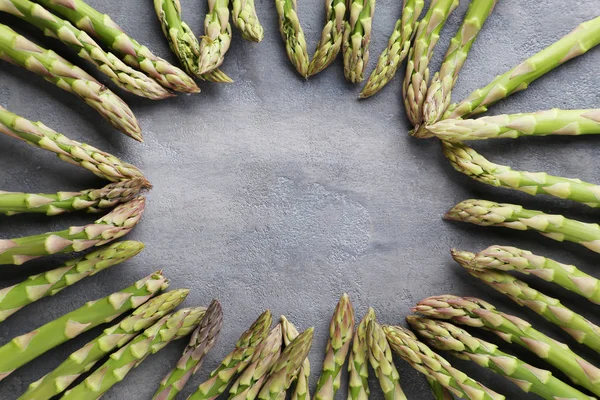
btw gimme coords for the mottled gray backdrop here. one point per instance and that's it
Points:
(276, 192)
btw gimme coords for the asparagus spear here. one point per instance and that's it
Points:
(358, 364)
(416, 80)
(557, 227)
(341, 330)
(110, 227)
(357, 37)
(202, 341)
(246, 20)
(236, 361)
(102, 164)
(217, 36)
(301, 390)
(36, 287)
(90, 200)
(293, 35)
(131, 355)
(405, 344)
(577, 42)
(438, 390)
(112, 338)
(466, 160)
(445, 336)
(478, 313)
(22, 349)
(396, 50)
(287, 366)
(20, 51)
(331, 37)
(106, 30)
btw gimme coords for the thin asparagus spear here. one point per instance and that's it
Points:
(416, 81)
(245, 19)
(405, 344)
(577, 42)
(112, 338)
(341, 330)
(556, 227)
(380, 357)
(357, 38)
(293, 35)
(396, 50)
(330, 42)
(22, 349)
(202, 341)
(109, 33)
(461, 344)
(217, 36)
(90, 200)
(438, 390)
(110, 227)
(301, 390)
(480, 314)
(102, 164)
(358, 363)
(21, 51)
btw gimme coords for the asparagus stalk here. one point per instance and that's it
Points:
(112, 338)
(245, 19)
(438, 391)
(217, 36)
(396, 50)
(236, 361)
(577, 42)
(341, 330)
(478, 313)
(90, 200)
(110, 227)
(358, 364)
(460, 343)
(202, 341)
(301, 390)
(108, 32)
(357, 37)
(102, 164)
(22, 349)
(293, 35)
(556, 227)
(331, 37)
(405, 344)
(21, 51)
(416, 80)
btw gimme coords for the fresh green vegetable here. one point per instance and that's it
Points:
(358, 364)
(331, 37)
(357, 38)
(301, 390)
(245, 19)
(438, 390)
(217, 36)
(293, 35)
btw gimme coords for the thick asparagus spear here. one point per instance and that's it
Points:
(293, 35)
(112, 338)
(466, 160)
(416, 81)
(405, 344)
(358, 364)
(438, 390)
(460, 343)
(36, 287)
(22, 349)
(330, 42)
(506, 258)
(202, 341)
(90, 200)
(21, 51)
(577, 42)
(301, 390)
(357, 38)
(217, 36)
(245, 19)
(236, 361)
(102, 164)
(480, 314)
(396, 50)
(106, 30)
(557, 227)
(341, 330)
(110, 227)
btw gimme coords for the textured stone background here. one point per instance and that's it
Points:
(276, 192)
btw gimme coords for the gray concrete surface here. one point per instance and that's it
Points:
(276, 192)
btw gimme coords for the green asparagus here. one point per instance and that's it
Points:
(357, 38)
(380, 357)
(109, 33)
(112, 338)
(245, 19)
(293, 35)
(341, 330)
(358, 364)
(578, 42)
(438, 390)
(202, 341)
(396, 50)
(556, 227)
(480, 314)
(21, 51)
(217, 36)
(301, 390)
(445, 336)
(330, 42)
(416, 81)
(404, 343)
